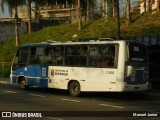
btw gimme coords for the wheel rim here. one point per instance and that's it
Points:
(74, 89)
(23, 84)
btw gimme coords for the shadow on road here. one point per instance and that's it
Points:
(150, 95)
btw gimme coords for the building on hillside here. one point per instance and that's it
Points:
(153, 6)
(23, 14)
(59, 12)
(64, 13)
(48, 15)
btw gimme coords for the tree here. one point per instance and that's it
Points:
(148, 3)
(79, 19)
(117, 17)
(88, 9)
(145, 8)
(29, 10)
(86, 6)
(36, 10)
(128, 9)
(29, 16)
(13, 5)
(158, 6)
(114, 8)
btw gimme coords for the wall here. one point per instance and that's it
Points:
(7, 30)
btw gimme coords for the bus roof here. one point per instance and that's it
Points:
(48, 43)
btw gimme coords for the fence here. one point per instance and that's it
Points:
(150, 40)
(5, 68)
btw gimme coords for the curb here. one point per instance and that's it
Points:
(5, 82)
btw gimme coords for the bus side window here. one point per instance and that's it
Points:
(40, 55)
(94, 55)
(110, 54)
(40, 59)
(54, 55)
(36, 55)
(21, 58)
(59, 55)
(32, 57)
(76, 55)
(102, 55)
(83, 55)
(71, 56)
(48, 55)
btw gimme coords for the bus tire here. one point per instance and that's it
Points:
(22, 84)
(74, 89)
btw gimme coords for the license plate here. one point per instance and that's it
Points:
(136, 88)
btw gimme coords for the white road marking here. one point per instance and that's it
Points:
(54, 118)
(71, 100)
(111, 106)
(37, 95)
(10, 91)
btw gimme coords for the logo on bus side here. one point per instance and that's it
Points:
(59, 72)
(52, 72)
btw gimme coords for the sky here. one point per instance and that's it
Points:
(4, 14)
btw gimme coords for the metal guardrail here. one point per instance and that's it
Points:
(5, 68)
(150, 39)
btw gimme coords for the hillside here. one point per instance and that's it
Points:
(142, 25)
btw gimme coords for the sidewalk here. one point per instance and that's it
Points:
(5, 80)
(153, 92)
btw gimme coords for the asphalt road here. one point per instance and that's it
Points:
(59, 105)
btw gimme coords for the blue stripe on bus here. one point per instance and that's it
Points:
(33, 74)
(39, 82)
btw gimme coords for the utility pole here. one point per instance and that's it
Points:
(114, 8)
(79, 19)
(88, 9)
(158, 6)
(128, 12)
(145, 7)
(116, 2)
(148, 6)
(29, 16)
(16, 27)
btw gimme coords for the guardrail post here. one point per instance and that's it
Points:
(2, 69)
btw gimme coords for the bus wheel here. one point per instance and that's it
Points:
(74, 89)
(23, 85)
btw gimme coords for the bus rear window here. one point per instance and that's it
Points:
(137, 52)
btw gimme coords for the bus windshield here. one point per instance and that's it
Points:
(137, 53)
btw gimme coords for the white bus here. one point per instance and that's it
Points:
(91, 66)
